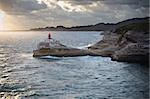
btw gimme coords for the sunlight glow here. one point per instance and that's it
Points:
(65, 5)
(2, 16)
(9, 22)
(12, 23)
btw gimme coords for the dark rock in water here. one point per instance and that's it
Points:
(96, 78)
(4, 76)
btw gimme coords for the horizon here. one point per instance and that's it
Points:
(25, 15)
(30, 29)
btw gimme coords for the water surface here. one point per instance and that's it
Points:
(85, 77)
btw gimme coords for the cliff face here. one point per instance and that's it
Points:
(134, 47)
(129, 43)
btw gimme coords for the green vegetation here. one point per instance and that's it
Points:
(135, 27)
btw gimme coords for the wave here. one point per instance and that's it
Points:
(50, 57)
(84, 47)
(6, 46)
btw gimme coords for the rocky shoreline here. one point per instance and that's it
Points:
(134, 47)
(60, 52)
(127, 43)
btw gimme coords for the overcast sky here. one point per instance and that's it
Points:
(26, 14)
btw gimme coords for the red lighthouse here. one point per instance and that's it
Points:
(49, 36)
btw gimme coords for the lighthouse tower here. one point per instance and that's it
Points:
(49, 36)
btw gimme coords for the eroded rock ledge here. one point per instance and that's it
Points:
(133, 47)
(129, 43)
(60, 52)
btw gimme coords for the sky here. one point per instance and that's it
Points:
(27, 14)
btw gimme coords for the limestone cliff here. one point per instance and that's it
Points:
(129, 43)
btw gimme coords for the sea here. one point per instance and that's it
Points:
(87, 77)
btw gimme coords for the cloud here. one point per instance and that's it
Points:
(20, 6)
(144, 3)
(41, 13)
(66, 5)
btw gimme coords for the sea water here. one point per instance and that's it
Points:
(86, 77)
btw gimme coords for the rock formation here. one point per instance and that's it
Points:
(129, 43)
(60, 52)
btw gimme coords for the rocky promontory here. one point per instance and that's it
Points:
(128, 43)
(60, 52)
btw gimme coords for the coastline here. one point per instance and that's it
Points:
(127, 43)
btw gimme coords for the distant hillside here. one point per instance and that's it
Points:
(96, 27)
